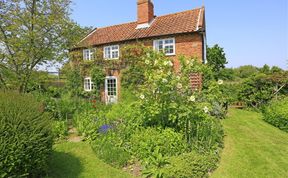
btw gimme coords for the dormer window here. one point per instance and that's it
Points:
(88, 54)
(165, 45)
(111, 52)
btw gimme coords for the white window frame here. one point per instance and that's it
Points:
(111, 52)
(90, 55)
(156, 48)
(106, 90)
(91, 84)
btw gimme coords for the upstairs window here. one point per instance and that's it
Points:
(111, 52)
(88, 84)
(88, 54)
(165, 45)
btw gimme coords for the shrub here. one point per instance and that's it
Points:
(85, 122)
(276, 113)
(166, 141)
(25, 136)
(206, 135)
(59, 129)
(106, 149)
(190, 165)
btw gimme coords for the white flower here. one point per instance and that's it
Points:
(164, 80)
(192, 98)
(147, 62)
(220, 82)
(166, 63)
(155, 62)
(148, 54)
(206, 110)
(169, 73)
(178, 77)
(142, 97)
(170, 63)
(179, 85)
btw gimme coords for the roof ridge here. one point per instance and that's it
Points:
(180, 12)
(126, 23)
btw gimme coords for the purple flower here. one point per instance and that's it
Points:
(104, 128)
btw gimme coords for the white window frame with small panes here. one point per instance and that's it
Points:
(165, 45)
(88, 54)
(88, 84)
(111, 89)
(111, 52)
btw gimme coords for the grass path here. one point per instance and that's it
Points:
(73, 160)
(253, 148)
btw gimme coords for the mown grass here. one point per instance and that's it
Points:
(73, 160)
(253, 148)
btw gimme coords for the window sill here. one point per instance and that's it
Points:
(170, 54)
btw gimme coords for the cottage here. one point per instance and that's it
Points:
(176, 34)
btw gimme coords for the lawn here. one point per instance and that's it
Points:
(71, 160)
(253, 148)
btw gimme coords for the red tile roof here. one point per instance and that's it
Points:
(182, 22)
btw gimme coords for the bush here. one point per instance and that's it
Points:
(190, 165)
(85, 122)
(206, 135)
(59, 129)
(106, 149)
(25, 136)
(146, 141)
(276, 113)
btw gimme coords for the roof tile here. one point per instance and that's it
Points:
(182, 22)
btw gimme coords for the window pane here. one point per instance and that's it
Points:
(169, 49)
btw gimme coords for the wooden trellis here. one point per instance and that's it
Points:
(196, 81)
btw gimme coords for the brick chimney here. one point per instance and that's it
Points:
(145, 13)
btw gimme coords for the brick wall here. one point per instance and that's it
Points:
(189, 45)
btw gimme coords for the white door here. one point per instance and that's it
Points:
(111, 89)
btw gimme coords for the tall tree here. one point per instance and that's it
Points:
(216, 58)
(32, 33)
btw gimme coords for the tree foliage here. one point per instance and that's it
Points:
(216, 58)
(33, 33)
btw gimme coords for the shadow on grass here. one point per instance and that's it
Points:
(64, 165)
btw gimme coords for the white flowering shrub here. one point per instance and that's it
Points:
(166, 97)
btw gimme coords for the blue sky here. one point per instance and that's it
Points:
(250, 31)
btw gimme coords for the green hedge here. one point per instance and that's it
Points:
(276, 114)
(25, 136)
